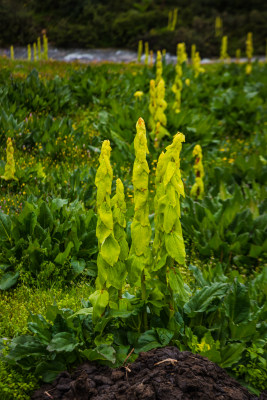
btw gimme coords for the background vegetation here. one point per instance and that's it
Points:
(102, 23)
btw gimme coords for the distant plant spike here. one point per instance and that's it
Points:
(249, 53)
(152, 104)
(218, 26)
(170, 20)
(160, 119)
(29, 52)
(193, 52)
(140, 51)
(39, 48)
(197, 189)
(10, 168)
(146, 53)
(249, 46)
(158, 67)
(197, 65)
(174, 19)
(223, 55)
(12, 53)
(34, 52)
(45, 47)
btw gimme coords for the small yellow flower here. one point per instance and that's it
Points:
(187, 82)
(139, 94)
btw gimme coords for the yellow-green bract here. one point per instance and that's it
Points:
(140, 50)
(198, 187)
(10, 162)
(140, 228)
(169, 188)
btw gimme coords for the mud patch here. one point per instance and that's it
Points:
(160, 374)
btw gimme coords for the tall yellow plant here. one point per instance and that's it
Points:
(29, 52)
(249, 52)
(224, 56)
(140, 51)
(178, 85)
(10, 162)
(197, 189)
(146, 53)
(197, 66)
(158, 67)
(12, 53)
(160, 119)
(218, 26)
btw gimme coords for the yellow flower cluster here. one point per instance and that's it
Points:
(197, 190)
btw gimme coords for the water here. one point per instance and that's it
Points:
(99, 55)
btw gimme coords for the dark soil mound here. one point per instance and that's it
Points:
(160, 374)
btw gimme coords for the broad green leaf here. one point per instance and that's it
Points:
(176, 283)
(201, 300)
(147, 341)
(78, 265)
(175, 247)
(231, 354)
(63, 341)
(110, 250)
(101, 352)
(49, 370)
(24, 346)
(170, 216)
(99, 300)
(165, 336)
(45, 217)
(237, 303)
(5, 227)
(8, 280)
(62, 257)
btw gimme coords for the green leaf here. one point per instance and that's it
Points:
(165, 336)
(237, 303)
(8, 280)
(63, 341)
(110, 250)
(45, 217)
(176, 283)
(201, 300)
(99, 300)
(101, 352)
(5, 227)
(231, 354)
(78, 265)
(49, 370)
(24, 346)
(62, 257)
(175, 247)
(147, 341)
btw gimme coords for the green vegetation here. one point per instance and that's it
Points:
(92, 24)
(103, 245)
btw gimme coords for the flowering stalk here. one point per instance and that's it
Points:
(218, 27)
(160, 119)
(172, 19)
(158, 67)
(146, 53)
(140, 50)
(29, 52)
(224, 55)
(140, 229)
(249, 52)
(12, 53)
(109, 249)
(178, 85)
(34, 52)
(197, 190)
(193, 52)
(39, 48)
(10, 162)
(152, 104)
(197, 66)
(45, 45)
(168, 243)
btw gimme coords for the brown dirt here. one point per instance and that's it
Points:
(160, 374)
